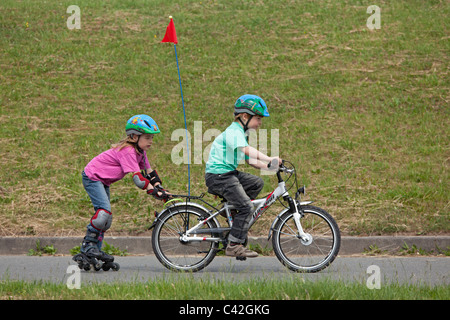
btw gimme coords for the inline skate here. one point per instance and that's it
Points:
(91, 255)
(103, 261)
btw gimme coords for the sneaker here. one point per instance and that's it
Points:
(240, 251)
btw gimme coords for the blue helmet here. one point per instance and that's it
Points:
(251, 104)
(140, 124)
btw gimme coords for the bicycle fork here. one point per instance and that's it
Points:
(305, 238)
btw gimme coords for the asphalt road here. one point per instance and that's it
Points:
(411, 270)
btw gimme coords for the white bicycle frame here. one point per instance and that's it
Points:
(260, 205)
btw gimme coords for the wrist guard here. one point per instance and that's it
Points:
(154, 178)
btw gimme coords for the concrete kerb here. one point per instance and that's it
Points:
(143, 245)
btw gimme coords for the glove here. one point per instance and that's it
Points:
(164, 195)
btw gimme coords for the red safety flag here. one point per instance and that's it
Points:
(171, 34)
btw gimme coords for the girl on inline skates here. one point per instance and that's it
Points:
(127, 156)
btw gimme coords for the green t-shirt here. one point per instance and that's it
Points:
(225, 153)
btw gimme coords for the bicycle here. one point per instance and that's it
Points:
(305, 238)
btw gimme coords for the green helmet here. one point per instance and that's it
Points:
(252, 105)
(140, 124)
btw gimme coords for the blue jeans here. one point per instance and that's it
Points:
(99, 194)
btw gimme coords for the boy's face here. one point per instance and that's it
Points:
(255, 123)
(145, 141)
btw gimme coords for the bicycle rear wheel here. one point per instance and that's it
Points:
(307, 256)
(178, 255)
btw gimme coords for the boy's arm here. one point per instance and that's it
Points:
(257, 164)
(255, 155)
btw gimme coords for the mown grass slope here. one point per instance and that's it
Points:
(362, 114)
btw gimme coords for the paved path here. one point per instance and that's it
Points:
(412, 270)
(143, 245)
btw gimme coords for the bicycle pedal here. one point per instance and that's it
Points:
(241, 258)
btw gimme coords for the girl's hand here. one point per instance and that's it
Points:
(159, 193)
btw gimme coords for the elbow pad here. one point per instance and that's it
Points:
(140, 181)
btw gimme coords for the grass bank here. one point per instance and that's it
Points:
(362, 114)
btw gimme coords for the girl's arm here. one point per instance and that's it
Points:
(146, 180)
(152, 173)
(149, 181)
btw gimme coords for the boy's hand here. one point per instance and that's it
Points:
(275, 163)
(280, 161)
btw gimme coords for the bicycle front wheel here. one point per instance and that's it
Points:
(176, 254)
(313, 254)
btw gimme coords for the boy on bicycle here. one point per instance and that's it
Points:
(222, 177)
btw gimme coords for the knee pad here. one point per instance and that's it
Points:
(102, 220)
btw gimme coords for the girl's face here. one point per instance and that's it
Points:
(145, 141)
(255, 123)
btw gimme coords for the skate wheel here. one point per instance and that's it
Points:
(111, 265)
(80, 259)
(105, 267)
(241, 258)
(80, 265)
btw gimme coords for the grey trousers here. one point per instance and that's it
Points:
(238, 188)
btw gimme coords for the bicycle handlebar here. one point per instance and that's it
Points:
(281, 168)
(273, 164)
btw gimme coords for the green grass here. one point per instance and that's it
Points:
(213, 289)
(362, 114)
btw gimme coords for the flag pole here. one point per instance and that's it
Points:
(171, 36)
(185, 123)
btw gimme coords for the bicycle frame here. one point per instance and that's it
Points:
(261, 205)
